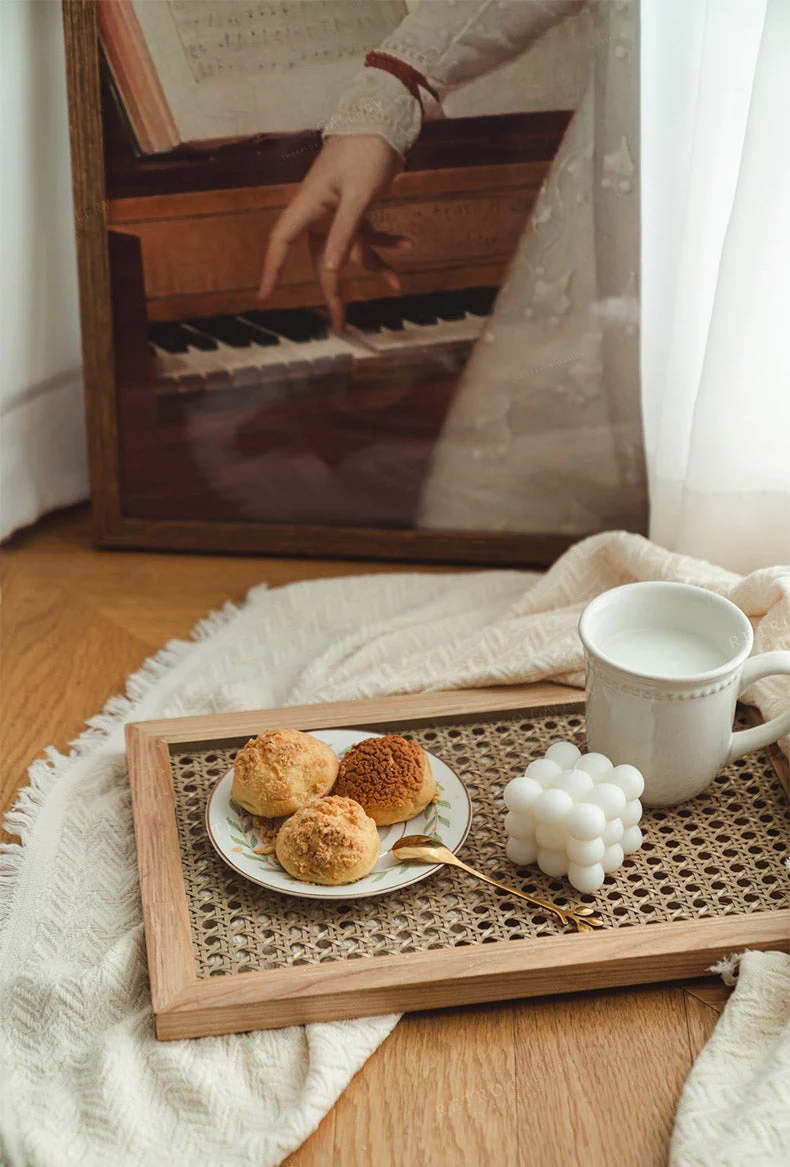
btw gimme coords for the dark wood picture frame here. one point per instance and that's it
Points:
(112, 527)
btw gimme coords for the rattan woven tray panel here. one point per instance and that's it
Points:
(718, 855)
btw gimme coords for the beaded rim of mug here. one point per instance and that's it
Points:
(655, 688)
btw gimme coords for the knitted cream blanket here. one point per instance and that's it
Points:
(735, 1109)
(82, 1079)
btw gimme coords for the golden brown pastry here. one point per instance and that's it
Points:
(390, 777)
(332, 841)
(282, 770)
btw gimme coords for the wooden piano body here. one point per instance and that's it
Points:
(315, 455)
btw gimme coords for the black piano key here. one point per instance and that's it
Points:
(373, 315)
(296, 324)
(479, 301)
(173, 338)
(418, 310)
(260, 335)
(363, 316)
(449, 305)
(200, 340)
(230, 330)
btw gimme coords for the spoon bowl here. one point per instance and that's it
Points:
(422, 849)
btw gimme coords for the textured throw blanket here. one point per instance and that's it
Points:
(735, 1109)
(82, 1079)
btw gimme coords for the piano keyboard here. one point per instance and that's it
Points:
(283, 344)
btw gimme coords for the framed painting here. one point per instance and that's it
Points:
(460, 382)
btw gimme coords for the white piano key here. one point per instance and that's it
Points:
(170, 364)
(287, 358)
(416, 336)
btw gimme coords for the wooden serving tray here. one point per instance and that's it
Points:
(225, 955)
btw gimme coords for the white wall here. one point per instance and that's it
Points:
(42, 441)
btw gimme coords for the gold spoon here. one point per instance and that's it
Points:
(423, 849)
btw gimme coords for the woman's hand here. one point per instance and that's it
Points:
(346, 177)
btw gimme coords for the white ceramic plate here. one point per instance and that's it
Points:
(233, 835)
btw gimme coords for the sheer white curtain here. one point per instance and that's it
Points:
(42, 426)
(716, 276)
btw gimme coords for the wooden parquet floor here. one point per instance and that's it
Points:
(590, 1080)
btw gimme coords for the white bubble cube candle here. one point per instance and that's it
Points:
(574, 814)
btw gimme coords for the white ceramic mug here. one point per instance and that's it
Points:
(665, 665)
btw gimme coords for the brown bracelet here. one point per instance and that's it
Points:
(406, 74)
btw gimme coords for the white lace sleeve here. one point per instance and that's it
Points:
(450, 42)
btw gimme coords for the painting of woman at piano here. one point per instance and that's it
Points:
(437, 326)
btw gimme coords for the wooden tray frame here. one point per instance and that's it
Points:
(186, 1005)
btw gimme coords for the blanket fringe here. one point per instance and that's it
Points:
(727, 967)
(44, 773)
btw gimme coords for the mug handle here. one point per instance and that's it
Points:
(767, 664)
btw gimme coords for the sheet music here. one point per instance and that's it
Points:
(273, 36)
(236, 67)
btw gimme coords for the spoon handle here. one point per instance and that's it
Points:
(565, 917)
